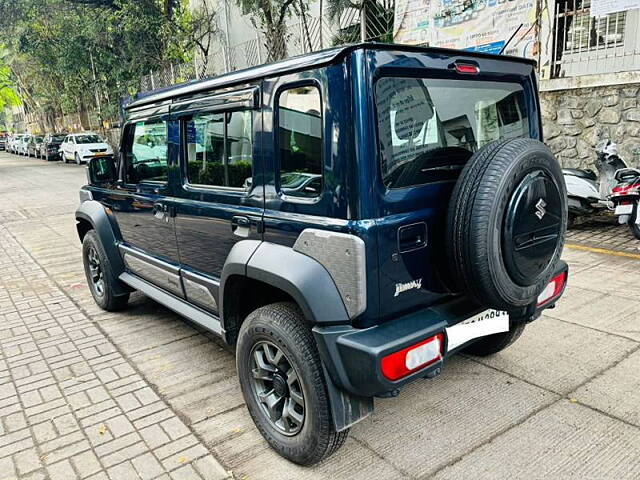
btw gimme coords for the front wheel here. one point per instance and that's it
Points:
(78, 161)
(283, 384)
(99, 274)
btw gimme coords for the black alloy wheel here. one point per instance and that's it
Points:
(277, 388)
(96, 272)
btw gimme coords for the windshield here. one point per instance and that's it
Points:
(429, 128)
(58, 138)
(92, 138)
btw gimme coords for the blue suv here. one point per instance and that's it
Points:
(346, 220)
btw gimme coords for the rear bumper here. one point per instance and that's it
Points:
(353, 356)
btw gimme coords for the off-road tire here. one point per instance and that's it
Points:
(108, 300)
(495, 343)
(482, 201)
(284, 325)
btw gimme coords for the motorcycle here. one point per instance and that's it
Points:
(626, 199)
(588, 192)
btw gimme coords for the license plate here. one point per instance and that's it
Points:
(624, 209)
(480, 325)
(101, 154)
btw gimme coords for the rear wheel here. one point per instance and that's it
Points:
(495, 343)
(99, 274)
(283, 384)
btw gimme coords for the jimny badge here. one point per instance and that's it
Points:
(403, 287)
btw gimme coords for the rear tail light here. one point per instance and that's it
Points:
(553, 289)
(626, 190)
(413, 358)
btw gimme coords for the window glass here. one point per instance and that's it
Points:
(219, 149)
(300, 142)
(88, 138)
(429, 128)
(147, 157)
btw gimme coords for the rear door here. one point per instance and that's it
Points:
(221, 193)
(429, 122)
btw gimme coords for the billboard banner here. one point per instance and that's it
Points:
(478, 25)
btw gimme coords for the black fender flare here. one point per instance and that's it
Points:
(300, 276)
(94, 212)
(315, 292)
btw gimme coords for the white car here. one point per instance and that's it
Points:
(21, 144)
(82, 147)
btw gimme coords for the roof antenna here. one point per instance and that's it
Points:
(510, 38)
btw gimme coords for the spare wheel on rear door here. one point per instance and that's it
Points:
(506, 223)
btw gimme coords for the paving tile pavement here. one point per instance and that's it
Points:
(508, 416)
(71, 405)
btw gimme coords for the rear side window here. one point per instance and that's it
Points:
(219, 149)
(147, 152)
(300, 142)
(429, 128)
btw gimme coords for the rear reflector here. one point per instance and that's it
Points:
(408, 360)
(467, 68)
(553, 289)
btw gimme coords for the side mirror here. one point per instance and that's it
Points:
(102, 170)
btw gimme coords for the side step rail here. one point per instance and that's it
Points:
(207, 320)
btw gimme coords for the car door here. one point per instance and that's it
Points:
(66, 146)
(221, 196)
(143, 206)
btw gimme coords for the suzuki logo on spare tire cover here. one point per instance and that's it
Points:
(540, 211)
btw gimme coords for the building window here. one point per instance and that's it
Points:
(300, 142)
(579, 31)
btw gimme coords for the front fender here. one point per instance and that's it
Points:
(94, 213)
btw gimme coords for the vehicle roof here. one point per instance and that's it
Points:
(297, 63)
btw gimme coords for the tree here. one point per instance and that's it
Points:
(69, 55)
(378, 17)
(8, 96)
(270, 17)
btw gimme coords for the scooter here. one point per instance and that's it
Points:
(626, 199)
(587, 191)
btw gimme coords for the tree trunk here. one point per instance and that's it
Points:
(275, 42)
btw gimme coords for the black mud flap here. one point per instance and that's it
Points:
(346, 409)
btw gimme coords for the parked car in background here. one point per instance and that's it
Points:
(82, 147)
(3, 141)
(21, 145)
(50, 146)
(12, 144)
(33, 145)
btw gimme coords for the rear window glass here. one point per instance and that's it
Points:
(429, 128)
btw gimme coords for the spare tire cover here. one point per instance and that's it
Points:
(506, 223)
